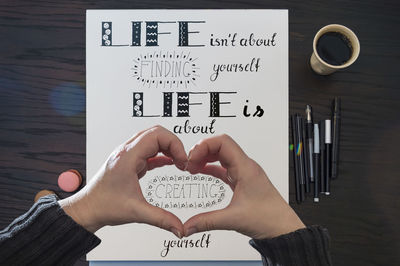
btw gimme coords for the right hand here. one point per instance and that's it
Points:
(256, 209)
(114, 196)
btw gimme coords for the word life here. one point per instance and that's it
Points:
(183, 104)
(152, 33)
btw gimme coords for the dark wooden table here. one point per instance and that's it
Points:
(43, 54)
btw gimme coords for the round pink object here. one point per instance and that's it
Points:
(69, 181)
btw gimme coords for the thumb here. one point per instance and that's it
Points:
(161, 218)
(207, 221)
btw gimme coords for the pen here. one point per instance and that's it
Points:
(336, 118)
(327, 155)
(295, 159)
(322, 155)
(303, 137)
(299, 153)
(316, 163)
(309, 142)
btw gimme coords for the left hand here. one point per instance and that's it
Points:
(113, 196)
(256, 208)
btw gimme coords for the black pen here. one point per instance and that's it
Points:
(309, 142)
(303, 137)
(328, 156)
(316, 163)
(336, 117)
(295, 159)
(299, 153)
(322, 155)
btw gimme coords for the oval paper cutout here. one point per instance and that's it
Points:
(185, 191)
(169, 69)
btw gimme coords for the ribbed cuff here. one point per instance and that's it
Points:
(45, 235)
(308, 247)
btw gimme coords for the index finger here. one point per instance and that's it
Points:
(159, 139)
(222, 148)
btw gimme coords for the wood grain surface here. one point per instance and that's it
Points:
(42, 110)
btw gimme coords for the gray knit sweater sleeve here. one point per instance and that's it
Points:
(46, 235)
(304, 247)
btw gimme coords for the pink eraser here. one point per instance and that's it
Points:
(70, 180)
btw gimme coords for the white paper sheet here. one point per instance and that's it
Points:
(148, 67)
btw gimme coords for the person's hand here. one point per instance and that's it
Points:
(114, 195)
(256, 209)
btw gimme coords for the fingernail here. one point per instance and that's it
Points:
(186, 165)
(176, 232)
(229, 178)
(190, 155)
(190, 231)
(181, 165)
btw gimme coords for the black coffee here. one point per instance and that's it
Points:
(334, 48)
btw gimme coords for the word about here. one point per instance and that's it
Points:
(195, 129)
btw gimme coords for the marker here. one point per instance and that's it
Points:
(336, 118)
(309, 142)
(322, 155)
(295, 159)
(328, 156)
(299, 153)
(316, 163)
(303, 137)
